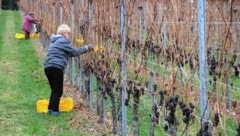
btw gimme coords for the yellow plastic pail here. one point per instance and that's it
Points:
(65, 105)
(19, 36)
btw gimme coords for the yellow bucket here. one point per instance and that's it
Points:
(19, 36)
(65, 105)
(34, 35)
(22, 36)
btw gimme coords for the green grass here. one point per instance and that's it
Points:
(22, 83)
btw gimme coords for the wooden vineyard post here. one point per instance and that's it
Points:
(137, 90)
(91, 91)
(235, 33)
(140, 17)
(228, 86)
(61, 11)
(33, 7)
(136, 101)
(102, 103)
(29, 5)
(164, 26)
(204, 107)
(80, 77)
(158, 18)
(153, 104)
(73, 63)
(191, 32)
(72, 23)
(152, 91)
(180, 68)
(123, 70)
(91, 41)
(39, 8)
(158, 21)
(110, 90)
(146, 17)
(140, 24)
(80, 65)
(54, 12)
(90, 20)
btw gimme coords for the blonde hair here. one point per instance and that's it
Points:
(63, 28)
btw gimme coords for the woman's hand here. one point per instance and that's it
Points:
(89, 47)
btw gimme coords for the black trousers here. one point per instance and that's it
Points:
(27, 34)
(55, 79)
